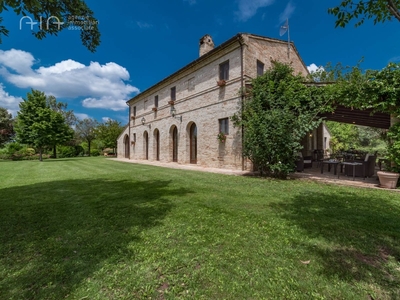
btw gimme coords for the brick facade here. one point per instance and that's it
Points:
(200, 101)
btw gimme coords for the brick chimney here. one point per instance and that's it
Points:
(206, 44)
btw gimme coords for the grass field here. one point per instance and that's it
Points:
(91, 228)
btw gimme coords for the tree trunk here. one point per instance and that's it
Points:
(55, 151)
(40, 154)
(89, 147)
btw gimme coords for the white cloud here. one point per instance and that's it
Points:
(314, 68)
(248, 8)
(144, 25)
(9, 102)
(103, 85)
(287, 13)
(395, 59)
(82, 116)
(105, 119)
(105, 102)
(17, 60)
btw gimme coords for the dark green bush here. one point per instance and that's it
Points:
(94, 152)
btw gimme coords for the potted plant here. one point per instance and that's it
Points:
(221, 137)
(389, 178)
(154, 108)
(221, 82)
(171, 102)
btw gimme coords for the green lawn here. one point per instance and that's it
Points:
(91, 228)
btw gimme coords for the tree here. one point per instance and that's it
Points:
(69, 13)
(344, 136)
(280, 111)
(61, 108)
(109, 132)
(86, 130)
(38, 125)
(378, 10)
(6, 126)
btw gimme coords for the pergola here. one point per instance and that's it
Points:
(359, 117)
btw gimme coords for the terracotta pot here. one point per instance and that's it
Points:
(388, 179)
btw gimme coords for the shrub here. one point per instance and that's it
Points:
(94, 152)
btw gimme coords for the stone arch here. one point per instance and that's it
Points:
(145, 145)
(191, 145)
(126, 146)
(156, 144)
(173, 143)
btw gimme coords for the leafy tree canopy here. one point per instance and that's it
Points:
(109, 132)
(6, 126)
(86, 130)
(280, 111)
(378, 10)
(38, 125)
(69, 12)
(353, 87)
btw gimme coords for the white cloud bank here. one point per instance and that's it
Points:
(103, 85)
(9, 102)
(248, 8)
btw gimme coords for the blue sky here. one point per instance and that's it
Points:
(144, 41)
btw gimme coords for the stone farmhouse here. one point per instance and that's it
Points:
(178, 119)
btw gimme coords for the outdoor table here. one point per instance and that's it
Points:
(354, 164)
(329, 163)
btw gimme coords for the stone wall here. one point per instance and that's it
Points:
(267, 50)
(199, 100)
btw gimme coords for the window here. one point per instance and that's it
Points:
(173, 93)
(145, 104)
(224, 71)
(134, 137)
(260, 68)
(156, 101)
(134, 111)
(224, 125)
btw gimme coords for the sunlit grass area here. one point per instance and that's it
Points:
(92, 228)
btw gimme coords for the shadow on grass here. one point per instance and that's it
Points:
(55, 235)
(360, 235)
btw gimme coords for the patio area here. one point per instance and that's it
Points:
(313, 173)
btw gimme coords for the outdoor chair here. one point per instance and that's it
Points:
(307, 161)
(300, 164)
(366, 170)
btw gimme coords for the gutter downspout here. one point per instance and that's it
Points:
(241, 93)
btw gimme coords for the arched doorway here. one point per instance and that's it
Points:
(146, 145)
(175, 144)
(157, 144)
(193, 144)
(126, 144)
